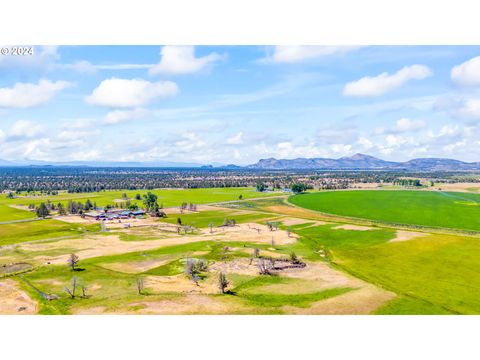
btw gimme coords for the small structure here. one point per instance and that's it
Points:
(114, 214)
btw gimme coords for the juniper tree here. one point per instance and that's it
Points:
(222, 282)
(72, 261)
(42, 210)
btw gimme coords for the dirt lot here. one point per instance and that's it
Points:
(15, 301)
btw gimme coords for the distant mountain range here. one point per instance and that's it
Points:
(355, 162)
(364, 162)
(155, 164)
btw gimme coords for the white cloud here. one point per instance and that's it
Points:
(383, 83)
(86, 67)
(406, 125)
(120, 116)
(402, 125)
(468, 73)
(236, 139)
(177, 60)
(73, 135)
(25, 129)
(25, 95)
(115, 92)
(190, 141)
(365, 143)
(468, 109)
(294, 54)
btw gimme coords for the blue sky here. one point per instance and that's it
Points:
(237, 104)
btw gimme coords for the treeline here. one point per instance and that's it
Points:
(407, 182)
(49, 180)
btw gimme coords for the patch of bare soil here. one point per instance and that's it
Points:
(101, 245)
(135, 267)
(362, 301)
(294, 212)
(458, 187)
(190, 304)
(353, 227)
(21, 207)
(291, 221)
(181, 284)
(323, 275)
(238, 266)
(76, 219)
(15, 301)
(403, 235)
(14, 268)
(361, 186)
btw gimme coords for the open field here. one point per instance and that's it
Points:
(166, 197)
(425, 208)
(346, 266)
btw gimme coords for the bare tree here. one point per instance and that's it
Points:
(264, 267)
(71, 291)
(140, 285)
(211, 227)
(72, 261)
(256, 252)
(222, 282)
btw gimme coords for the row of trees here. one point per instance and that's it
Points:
(407, 182)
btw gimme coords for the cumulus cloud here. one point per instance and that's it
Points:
(116, 92)
(178, 60)
(295, 54)
(468, 73)
(120, 116)
(26, 95)
(402, 125)
(235, 139)
(369, 86)
(467, 109)
(460, 108)
(26, 129)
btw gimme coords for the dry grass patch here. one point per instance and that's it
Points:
(190, 304)
(356, 302)
(353, 227)
(181, 284)
(402, 235)
(291, 221)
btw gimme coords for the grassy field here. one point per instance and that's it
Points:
(426, 208)
(426, 274)
(39, 230)
(216, 218)
(432, 274)
(167, 197)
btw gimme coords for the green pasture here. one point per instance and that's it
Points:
(452, 210)
(217, 218)
(432, 274)
(40, 230)
(167, 197)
